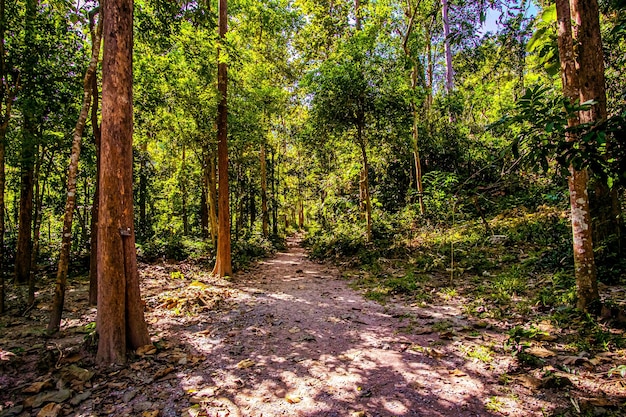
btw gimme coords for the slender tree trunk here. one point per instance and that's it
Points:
(274, 200)
(23, 256)
(223, 264)
(251, 202)
(93, 255)
(38, 192)
(72, 174)
(204, 204)
(213, 198)
(120, 321)
(368, 203)
(605, 206)
(264, 211)
(585, 270)
(6, 101)
(183, 190)
(447, 51)
(143, 189)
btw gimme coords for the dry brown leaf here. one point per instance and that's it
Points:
(572, 360)
(146, 350)
(292, 399)
(598, 402)
(162, 372)
(245, 364)
(36, 387)
(150, 413)
(294, 330)
(541, 352)
(50, 410)
(457, 373)
(528, 381)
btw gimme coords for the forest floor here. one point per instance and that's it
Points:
(292, 337)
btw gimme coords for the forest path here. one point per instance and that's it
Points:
(288, 337)
(299, 342)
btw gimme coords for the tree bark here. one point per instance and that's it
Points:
(72, 174)
(120, 321)
(584, 263)
(223, 264)
(264, 211)
(605, 207)
(212, 198)
(93, 255)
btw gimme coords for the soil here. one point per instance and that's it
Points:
(289, 337)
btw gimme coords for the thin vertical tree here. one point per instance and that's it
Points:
(223, 263)
(29, 147)
(72, 174)
(449, 84)
(584, 263)
(120, 321)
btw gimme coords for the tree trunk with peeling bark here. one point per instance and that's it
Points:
(120, 322)
(584, 263)
(72, 174)
(223, 263)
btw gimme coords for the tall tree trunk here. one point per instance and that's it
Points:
(366, 188)
(93, 255)
(143, 189)
(120, 321)
(183, 190)
(223, 265)
(447, 51)
(585, 270)
(6, 101)
(212, 198)
(605, 207)
(411, 13)
(204, 204)
(251, 201)
(24, 234)
(27, 162)
(274, 199)
(264, 211)
(72, 174)
(38, 192)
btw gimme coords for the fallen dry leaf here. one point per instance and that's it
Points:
(541, 352)
(36, 387)
(151, 413)
(146, 350)
(50, 410)
(162, 372)
(294, 330)
(245, 364)
(528, 381)
(457, 373)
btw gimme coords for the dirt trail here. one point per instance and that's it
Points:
(289, 337)
(320, 349)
